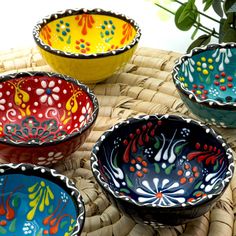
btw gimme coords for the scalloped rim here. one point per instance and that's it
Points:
(97, 175)
(190, 94)
(63, 77)
(70, 12)
(52, 174)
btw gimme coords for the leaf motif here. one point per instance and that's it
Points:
(169, 169)
(157, 144)
(2, 230)
(216, 166)
(179, 148)
(125, 190)
(157, 168)
(16, 202)
(128, 181)
(12, 226)
(197, 186)
(217, 6)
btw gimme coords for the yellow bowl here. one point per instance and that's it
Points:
(89, 45)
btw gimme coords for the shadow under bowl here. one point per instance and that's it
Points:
(162, 169)
(38, 201)
(89, 45)
(44, 117)
(206, 82)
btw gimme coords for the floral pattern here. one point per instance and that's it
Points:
(151, 164)
(48, 93)
(50, 159)
(82, 46)
(63, 28)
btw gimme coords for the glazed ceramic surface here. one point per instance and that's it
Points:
(162, 169)
(44, 117)
(38, 201)
(206, 81)
(89, 45)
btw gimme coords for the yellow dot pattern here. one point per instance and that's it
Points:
(204, 65)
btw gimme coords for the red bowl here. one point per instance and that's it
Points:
(44, 117)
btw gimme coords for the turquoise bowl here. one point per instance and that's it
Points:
(37, 201)
(206, 81)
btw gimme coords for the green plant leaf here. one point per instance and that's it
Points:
(217, 6)
(208, 3)
(232, 9)
(201, 40)
(197, 27)
(229, 36)
(186, 16)
(228, 4)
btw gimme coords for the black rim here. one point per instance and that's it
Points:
(66, 78)
(70, 12)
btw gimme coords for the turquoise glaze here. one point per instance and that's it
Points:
(206, 82)
(37, 201)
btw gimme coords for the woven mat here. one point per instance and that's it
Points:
(144, 87)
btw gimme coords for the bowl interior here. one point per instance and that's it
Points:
(87, 33)
(162, 162)
(42, 109)
(33, 205)
(210, 74)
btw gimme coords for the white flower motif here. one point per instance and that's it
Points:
(50, 159)
(48, 92)
(2, 102)
(28, 228)
(86, 114)
(64, 197)
(163, 194)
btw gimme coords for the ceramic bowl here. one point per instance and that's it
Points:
(38, 201)
(44, 117)
(206, 82)
(89, 45)
(162, 170)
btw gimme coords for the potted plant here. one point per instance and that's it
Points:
(189, 16)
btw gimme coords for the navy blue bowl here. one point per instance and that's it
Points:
(162, 169)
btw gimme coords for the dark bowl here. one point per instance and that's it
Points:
(44, 117)
(38, 201)
(162, 169)
(206, 82)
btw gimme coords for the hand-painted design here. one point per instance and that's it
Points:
(185, 132)
(182, 80)
(188, 173)
(200, 91)
(40, 196)
(223, 56)
(86, 113)
(2, 102)
(72, 104)
(139, 166)
(56, 219)
(52, 158)
(86, 21)
(223, 81)
(188, 69)
(9, 203)
(32, 131)
(168, 152)
(64, 197)
(63, 28)
(207, 154)
(108, 30)
(127, 31)
(48, 93)
(46, 33)
(21, 97)
(164, 193)
(214, 92)
(82, 46)
(204, 65)
(29, 228)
